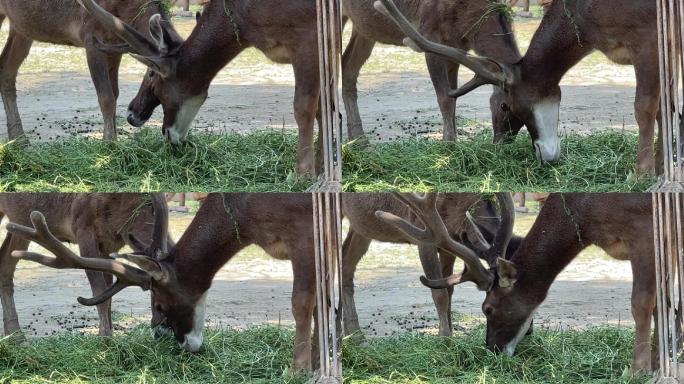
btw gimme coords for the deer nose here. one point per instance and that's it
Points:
(192, 343)
(134, 120)
(547, 151)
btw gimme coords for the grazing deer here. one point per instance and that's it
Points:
(180, 277)
(180, 72)
(67, 23)
(365, 227)
(466, 24)
(99, 223)
(620, 224)
(569, 31)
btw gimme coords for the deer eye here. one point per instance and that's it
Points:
(488, 310)
(505, 107)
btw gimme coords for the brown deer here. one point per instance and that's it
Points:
(180, 277)
(466, 24)
(181, 71)
(67, 23)
(485, 223)
(99, 223)
(620, 224)
(569, 31)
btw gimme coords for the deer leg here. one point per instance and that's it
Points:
(100, 69)
(303, 304)
(8, 265)
(646, 107)
(643, 305)
(432, 269)
(88, 246)
(13, 55)
(447, 262)
(357, 53)
(306, 99)
(444, 77)
(353, 249)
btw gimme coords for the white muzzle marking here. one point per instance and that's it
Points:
(178, 132)
(509, 349)
(194, 339)
(547, 145)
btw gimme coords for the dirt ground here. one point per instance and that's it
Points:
(57, 98)
(593, 290)
(251, 289)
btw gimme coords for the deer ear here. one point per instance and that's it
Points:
(157, 33)
(198, 15)
(145, 263)
(507, 272)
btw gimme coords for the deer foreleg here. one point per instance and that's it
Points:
(355, 56)
(13, 55)
(88, 247)
(353, 249)
(444, 75)
(433, 271)
(646, 107)
(643, 305)
(307, 94)
(8, 265)
(303, 303)
(101, 67)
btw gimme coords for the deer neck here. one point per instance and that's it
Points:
(211, 240)
(214, 42)
(553, 242)
(556, 46)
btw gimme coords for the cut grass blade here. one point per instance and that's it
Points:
(595, 355)
(259, 162)
(600, 162)
(257, 355)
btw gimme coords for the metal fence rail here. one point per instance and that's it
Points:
(668, 200)
(326, 196)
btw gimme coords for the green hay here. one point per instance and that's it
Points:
(600, 162)
(258, 355)
(596, 355)
(260, 162)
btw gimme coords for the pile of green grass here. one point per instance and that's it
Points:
(596, 355)
(260, 162)
(600, 162)
(259, 355)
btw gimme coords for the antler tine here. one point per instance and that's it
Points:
(138, 42)
(436, 234)
(416, 40)
(66, 259)
(505, 231)
(159, 246)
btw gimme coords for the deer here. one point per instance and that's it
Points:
(66, 23)
(466, 24)
(99, 223)
(620, 224)
(479, 230)
(569, 31)
(181, 71)
(180, 276)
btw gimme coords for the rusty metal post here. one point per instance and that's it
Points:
(326, 196)
(668, 198)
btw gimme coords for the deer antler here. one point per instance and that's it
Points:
(139, 43)
(66, 259)
(504, 232)
(487, 71)
(436, 234)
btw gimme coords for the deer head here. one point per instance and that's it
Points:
(520, 101)
(175, 306)
(180, 94)
(504, 328)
